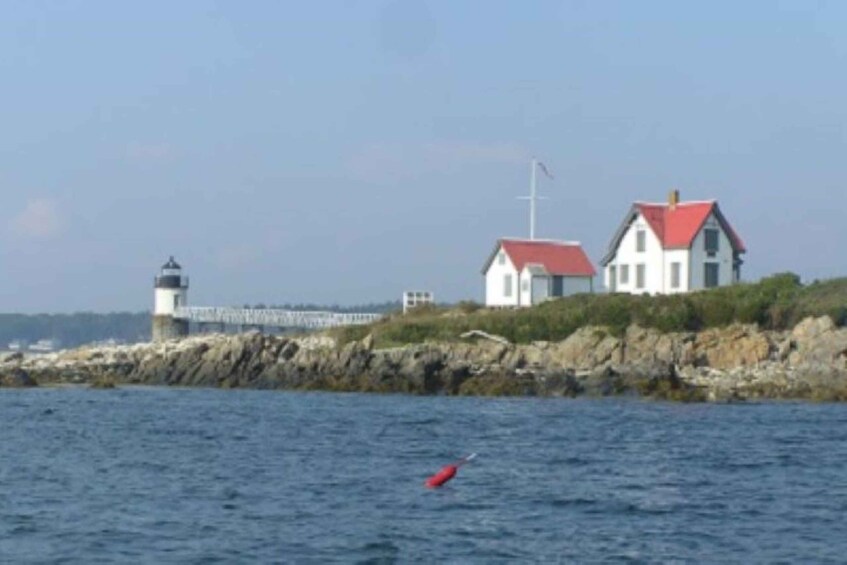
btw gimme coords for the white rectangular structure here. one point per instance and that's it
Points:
(414, 298)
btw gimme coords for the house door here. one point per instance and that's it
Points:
(710, 275)
(558, 286)
(540, 289)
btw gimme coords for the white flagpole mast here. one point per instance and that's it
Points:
(533, 195)
(532, 198)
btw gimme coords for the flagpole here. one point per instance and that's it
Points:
(532, 199)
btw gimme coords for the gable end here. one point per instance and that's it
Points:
(628, 220)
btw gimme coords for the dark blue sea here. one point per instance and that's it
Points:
(157, 475)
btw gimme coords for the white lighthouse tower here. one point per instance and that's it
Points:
(171, 293)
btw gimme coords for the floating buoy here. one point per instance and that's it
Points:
(447, 472)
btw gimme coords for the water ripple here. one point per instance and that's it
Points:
(151, 475)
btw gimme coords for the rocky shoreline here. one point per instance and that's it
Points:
(734, 363)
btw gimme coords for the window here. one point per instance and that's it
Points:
(524, 285)
(507, 285)
(640, 241)
(176, 301)
(613, 278)
(675, 271)
(711, 241)
(624, 274)
(640, 274)
(501, 258)
(710, 275)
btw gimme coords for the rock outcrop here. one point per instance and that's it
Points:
(733, 363)
(15, 377)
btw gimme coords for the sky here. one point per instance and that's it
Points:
(341, 152)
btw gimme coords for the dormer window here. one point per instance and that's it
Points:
(640, 241)
(711, 240)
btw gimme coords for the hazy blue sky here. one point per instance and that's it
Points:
(341, 152)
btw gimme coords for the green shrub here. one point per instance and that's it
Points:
(468, 306)
(776, 302)
(670, 314)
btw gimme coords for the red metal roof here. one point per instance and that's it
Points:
(557, 257)
(678, 226)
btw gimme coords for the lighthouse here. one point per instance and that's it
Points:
(171, 293)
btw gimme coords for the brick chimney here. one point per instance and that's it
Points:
(673, 199)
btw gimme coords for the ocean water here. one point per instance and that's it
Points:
(158, 475)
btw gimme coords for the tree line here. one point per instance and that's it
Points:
(73, 330)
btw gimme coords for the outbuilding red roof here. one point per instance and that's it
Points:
(677, 226)
(557, 257)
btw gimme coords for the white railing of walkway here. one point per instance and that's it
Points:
(272, 317)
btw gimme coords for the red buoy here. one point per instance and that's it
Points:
(447, 472)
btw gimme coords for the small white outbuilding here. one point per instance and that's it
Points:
(524, 272)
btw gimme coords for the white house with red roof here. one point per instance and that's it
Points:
(673, 247)
(523, 272)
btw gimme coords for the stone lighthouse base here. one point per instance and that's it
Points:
(168, 327)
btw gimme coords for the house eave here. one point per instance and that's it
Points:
(487, 266)
(630, 217)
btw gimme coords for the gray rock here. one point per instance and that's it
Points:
(17, 378)
(738, 362)
(14, 357)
